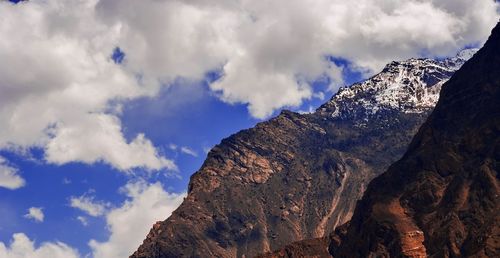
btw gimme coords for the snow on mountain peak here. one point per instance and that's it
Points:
(410, 86)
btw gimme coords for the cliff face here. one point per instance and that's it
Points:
(298, 176)
(442, 199)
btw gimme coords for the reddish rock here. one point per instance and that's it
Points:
(442, 199)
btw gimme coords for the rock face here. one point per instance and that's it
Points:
(310, 248)
(442, 199)
(298, 176)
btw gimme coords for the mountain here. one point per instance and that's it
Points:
(298, 176)
(442, 199)
(411, 86)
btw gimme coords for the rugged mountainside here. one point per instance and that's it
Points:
(298, 176)
(442, 199)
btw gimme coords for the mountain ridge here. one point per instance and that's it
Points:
(290, 178)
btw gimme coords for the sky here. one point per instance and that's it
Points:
(109, 106)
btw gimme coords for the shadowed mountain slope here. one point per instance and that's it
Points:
(442, 199)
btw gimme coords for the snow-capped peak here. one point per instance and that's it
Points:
(410, 86)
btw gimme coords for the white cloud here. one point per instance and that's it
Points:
(129, 224)
(57, 81)
(172, 146)
(189, 151)
(35, 214)
(22, 247)
(319, 95)
(83, 220)
(108, 144)
(89, 205)
(9, 177)
(270, 50)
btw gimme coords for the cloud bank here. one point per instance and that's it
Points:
(270, 51)
(61, 91)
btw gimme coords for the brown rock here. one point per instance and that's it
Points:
(442, 198)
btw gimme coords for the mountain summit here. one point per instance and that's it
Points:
(298, 176)
(410, 86)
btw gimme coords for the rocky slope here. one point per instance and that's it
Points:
(298, 176)
(442, 199)
(310, 248)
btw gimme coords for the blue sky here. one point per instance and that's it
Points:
(185, 116)
(108, 107)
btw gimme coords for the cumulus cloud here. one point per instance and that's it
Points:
(108, 145)
(270, 51)
(61, 91)
(130, 223)
(9, 176)
(88, 205)
(35, 214)
(21, 247)
(56, 84)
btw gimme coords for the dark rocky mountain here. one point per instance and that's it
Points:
(442, 199)
(298, 176)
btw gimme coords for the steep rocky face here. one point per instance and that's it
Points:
(442, 199)
(299, 176)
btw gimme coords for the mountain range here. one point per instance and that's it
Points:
(299, 176)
